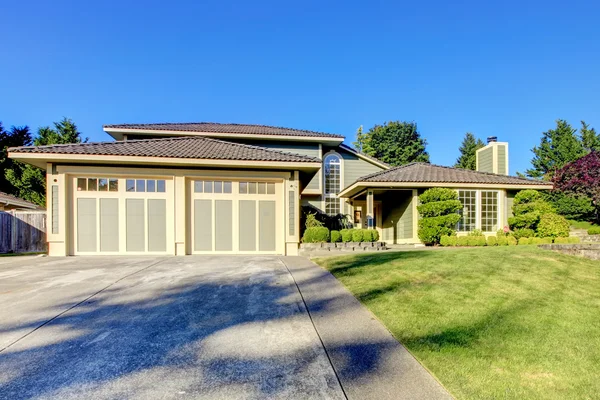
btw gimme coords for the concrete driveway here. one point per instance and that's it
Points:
(118, 327)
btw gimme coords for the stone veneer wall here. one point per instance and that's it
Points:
(590, 250)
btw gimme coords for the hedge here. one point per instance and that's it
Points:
(492, 241)
(336, 236)
(438, 210)
(448, 241)
(316, 235)
(359, 235)
(594, 230)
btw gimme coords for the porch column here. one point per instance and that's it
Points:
(370, 213)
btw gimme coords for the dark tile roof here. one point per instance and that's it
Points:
(213, 127)
(196, 147)
(9, 199)
(429, 173)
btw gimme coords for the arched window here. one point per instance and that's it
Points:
(333, 171)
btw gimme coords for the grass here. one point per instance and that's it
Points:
(21, 254)
(490, 323)
(581, 224)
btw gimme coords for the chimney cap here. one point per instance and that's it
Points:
(491, 139)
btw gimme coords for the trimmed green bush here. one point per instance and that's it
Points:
(524, 241)
(448, 241)
(492, 241)
(561, 240)
(574, 240)
(357, 235)
(477, 240)
(374, 235)
(316, 235)
(462, 241)
(503, 241)
(476, 232)
(336, 236)
(523, 233)
(553, 225)
(538, 240)
(511, 240)
(438, 210)
(346, 235)
(528, 207)
(594, 230)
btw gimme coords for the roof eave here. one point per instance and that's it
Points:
(358, 187)
(41, 159)
(118, 134)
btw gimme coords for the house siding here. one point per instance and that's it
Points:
(485, 161)
(355, 167)
(502, 168)
(397, 216)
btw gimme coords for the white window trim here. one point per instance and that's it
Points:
(325, 195)
(499, 204)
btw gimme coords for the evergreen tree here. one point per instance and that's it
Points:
(360, 139)
(395, 143)
(589, 138)
(15, 137)
(468, 150)
(557, 147)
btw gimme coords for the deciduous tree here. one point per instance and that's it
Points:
(396, 143)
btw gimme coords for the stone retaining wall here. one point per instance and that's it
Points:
(591, 251)
(307, 248)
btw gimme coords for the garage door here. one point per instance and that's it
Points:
(231, 216)
(122, 215)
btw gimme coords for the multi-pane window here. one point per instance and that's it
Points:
(257, 187)
(489, 211)
(468, 213)
(97, 185)
(332, 168)
(212, 186)
(145, 185)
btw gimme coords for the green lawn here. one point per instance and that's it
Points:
(503, 322)
(580, 224)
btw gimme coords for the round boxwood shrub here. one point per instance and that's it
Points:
(448, 241)
(528, 207)
(524, 241)
(438, 209)
(502, 241)
(336, 236)
(357, 235)
(574, 239)
(492, 241)
(561, 240)
(523, 233)
(316, 235)
(553, 225)
(594, 230)
(374, 235)
(511, 240)
(346, 235)
(477, 240)
(462, 241)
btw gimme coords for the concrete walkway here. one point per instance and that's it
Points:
(369, 362)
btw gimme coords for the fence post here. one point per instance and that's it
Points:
(13, 231)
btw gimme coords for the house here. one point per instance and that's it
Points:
(205, 188)
(8, 202)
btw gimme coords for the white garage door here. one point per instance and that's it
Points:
(231, 216)
(122, 215)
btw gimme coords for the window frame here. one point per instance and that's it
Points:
(328, 196)
(479, 209)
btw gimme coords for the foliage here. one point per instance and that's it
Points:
(357, 235)
(589, 138)
(476, 240)
(594, 230)
(15, 137)
(29, 181)
(553, 225)
(572, 206)
(581, 178)
(360, 139)
(468, 150)
(438, 210)
(462, 241)
(523, 233)
(574, 239)
(346, 235)
(567, 240)
(316, 235)
(503, 240)
(511, 240)
(448, 241)
(312, 221)
(492, 241)
(331, 222)
(524, 241)
(581, 224)
(476, 232)
(528, 207)
(374, 235)
(557, 147)
(335, 236)
(394, 142)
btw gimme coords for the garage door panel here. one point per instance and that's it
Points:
(109, 225)
(247, 225)
(135, 225)
(157, 225)
(202, 225)
(267, 240)
(223, 225)
(86, 225)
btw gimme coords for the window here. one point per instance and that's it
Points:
(489, 211)
(145, 185)
(212, 187)
(257, 188)
(97, 184)
(468, 213)
(332, 167)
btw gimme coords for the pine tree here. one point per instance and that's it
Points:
(360, 139)
(589, 138)
(468, 150)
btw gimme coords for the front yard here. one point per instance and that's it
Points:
(503, 322)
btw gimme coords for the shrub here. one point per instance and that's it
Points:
(477, 240)
(546, 240)
(503, 241)
(346, 235)
(357, 235)
(594, 230)
(448, 241)
(561, 240)
(462, 241)
(511, 240)
(571, 206)
(528, 207)
(523, 233)
(553, 225)
(574, 239)
(316, 235)
(492, 241)
(476, 232)
(312, 221)
(438, 210)
(374, 235)
(524, 240)
(336, 236)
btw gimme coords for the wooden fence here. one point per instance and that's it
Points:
(22, 231)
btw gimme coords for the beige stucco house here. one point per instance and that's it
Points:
(204, 188)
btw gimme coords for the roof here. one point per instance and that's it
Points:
(430, 173)
(9, 199)
(213, 127)
(190, 147)
(421, 174)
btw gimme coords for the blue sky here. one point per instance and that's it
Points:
(508, 69)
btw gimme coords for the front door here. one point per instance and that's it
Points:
(360, 215)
